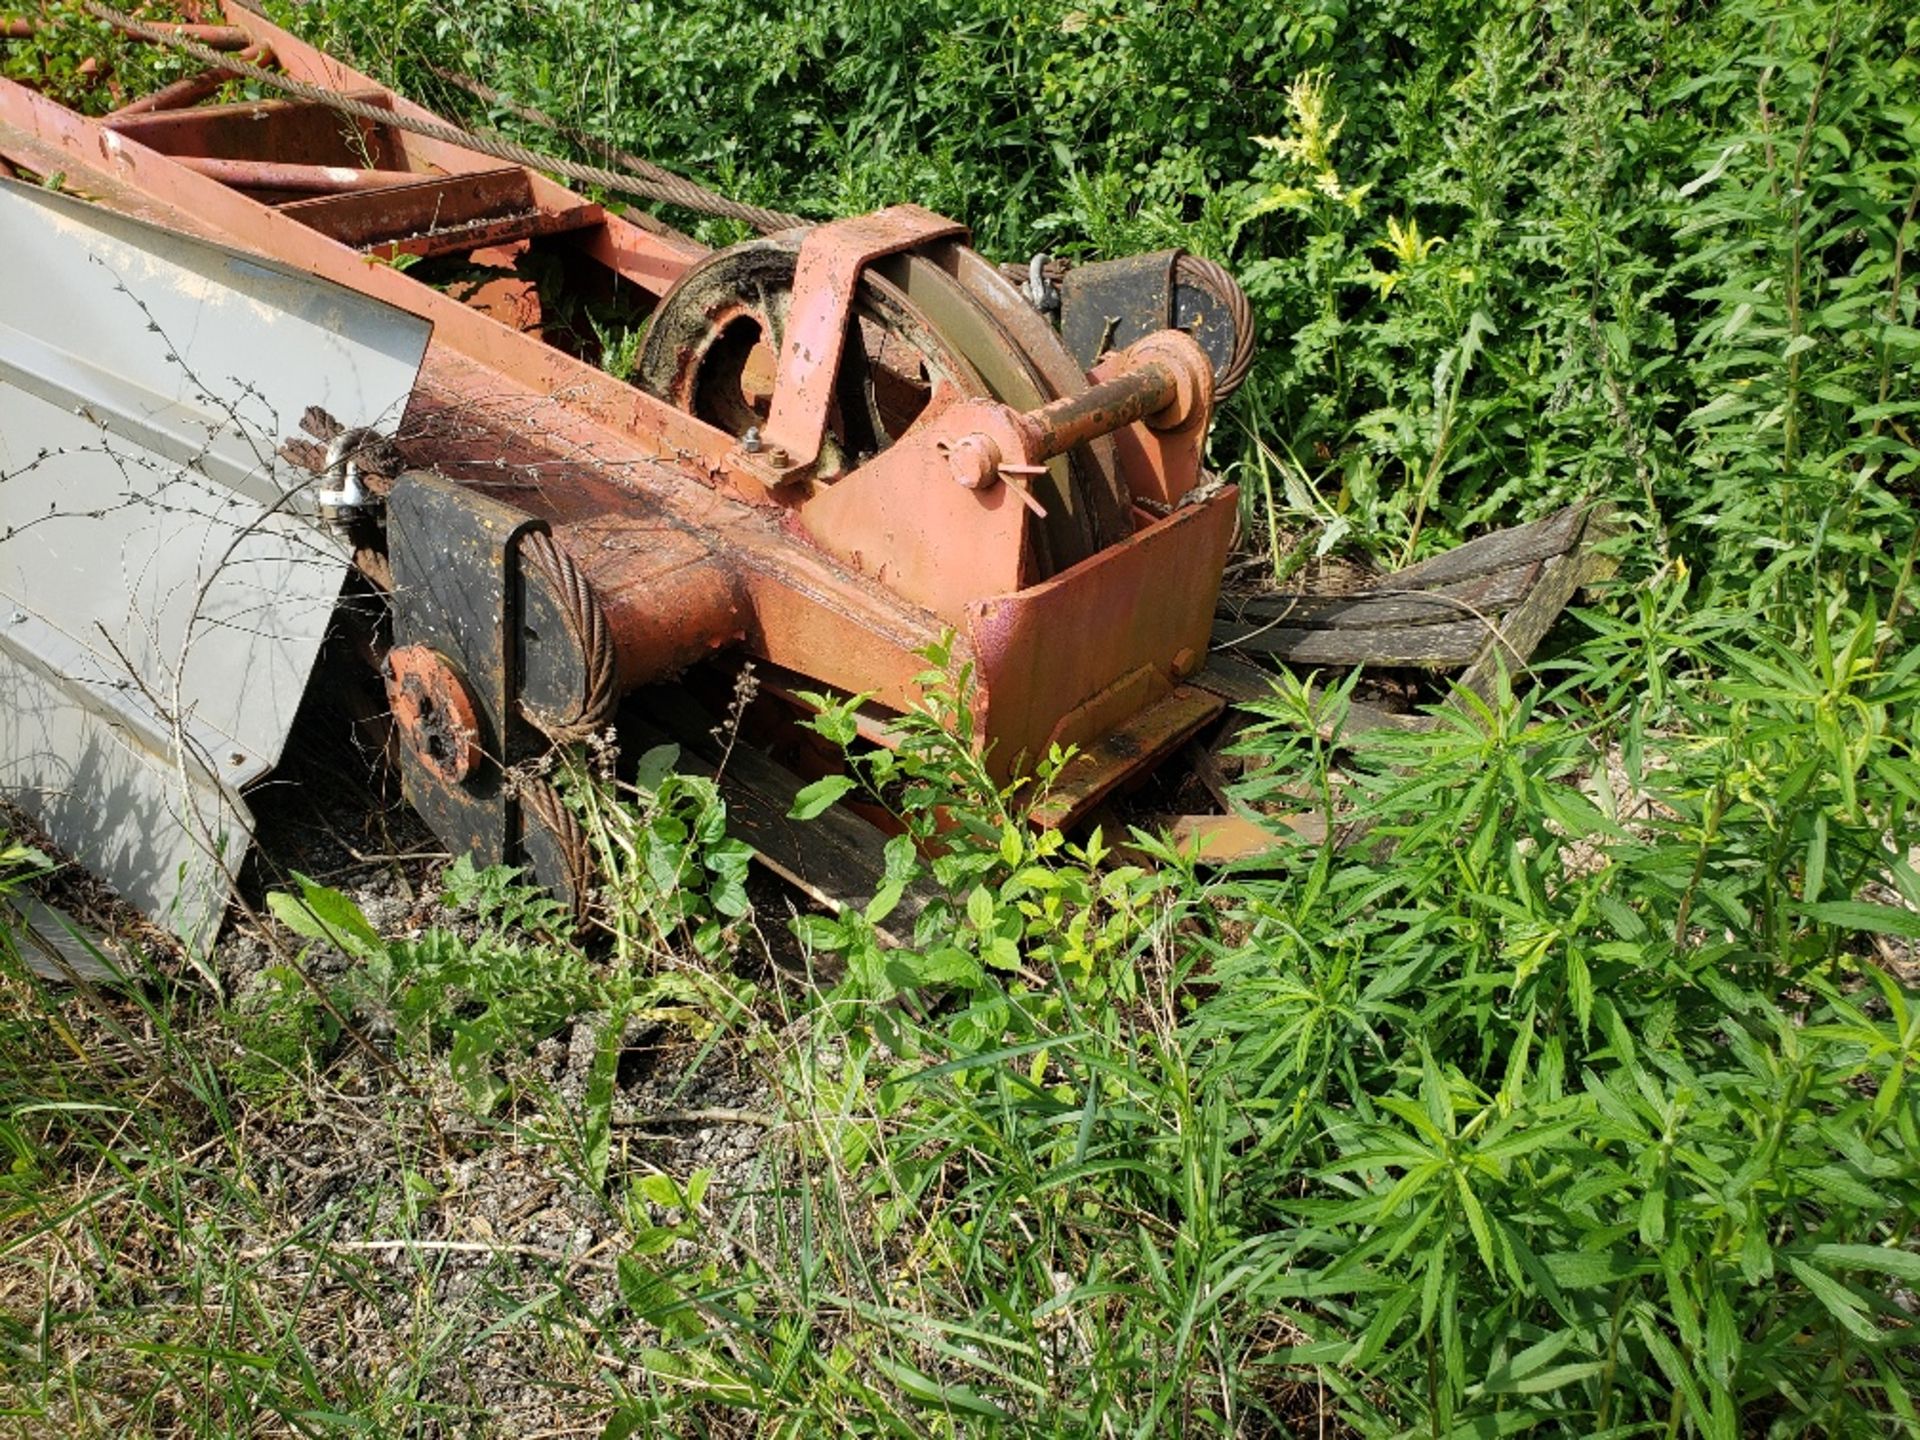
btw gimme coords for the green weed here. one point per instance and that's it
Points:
(1574, 1095)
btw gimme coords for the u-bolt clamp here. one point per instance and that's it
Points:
(351, 499)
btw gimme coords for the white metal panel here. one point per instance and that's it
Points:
(163, 591)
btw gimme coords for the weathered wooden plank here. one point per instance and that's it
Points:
(1388, 604)
(1362, 717)
(1393, 624)
(1527, 624)
(1524, 628)
(1559, 552)
(1502, 550)
(1237, 681)
(1438, 645)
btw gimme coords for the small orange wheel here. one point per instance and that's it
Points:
(433, 711)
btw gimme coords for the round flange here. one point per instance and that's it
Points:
(434, 711)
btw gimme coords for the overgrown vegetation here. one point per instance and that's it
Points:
(88, 65)
(1578, 1098)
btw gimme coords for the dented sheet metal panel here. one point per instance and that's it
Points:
(163, 591)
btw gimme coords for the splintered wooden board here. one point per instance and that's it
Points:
(1446, 612)
(1512, 585)
(1528, 574)
(1239, 682)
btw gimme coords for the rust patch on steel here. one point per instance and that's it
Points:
(433, 712)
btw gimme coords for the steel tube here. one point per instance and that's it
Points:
(1145, 390)
(670, 595)
(1163, 379)
(305, 179)
(192, 90)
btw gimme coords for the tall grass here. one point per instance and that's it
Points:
(1577, 1097)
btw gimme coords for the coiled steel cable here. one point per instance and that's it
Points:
(1192, 270)
(1207, 275)
(541, 803)
(586, 621)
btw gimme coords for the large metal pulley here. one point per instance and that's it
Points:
(928, 327)
(712, 350)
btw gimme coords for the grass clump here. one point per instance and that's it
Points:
(1553, 1107)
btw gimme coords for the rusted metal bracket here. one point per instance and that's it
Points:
(1109, 762)
(824, 284)
(469, 574)
(453, 553)
(1109, 305)
(1164, 454)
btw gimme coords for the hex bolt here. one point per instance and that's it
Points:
(750, 442)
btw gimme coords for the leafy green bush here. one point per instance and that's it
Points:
(87, 64)
(1549, 1106)
(520, 969)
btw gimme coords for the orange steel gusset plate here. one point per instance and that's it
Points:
(676, 538)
